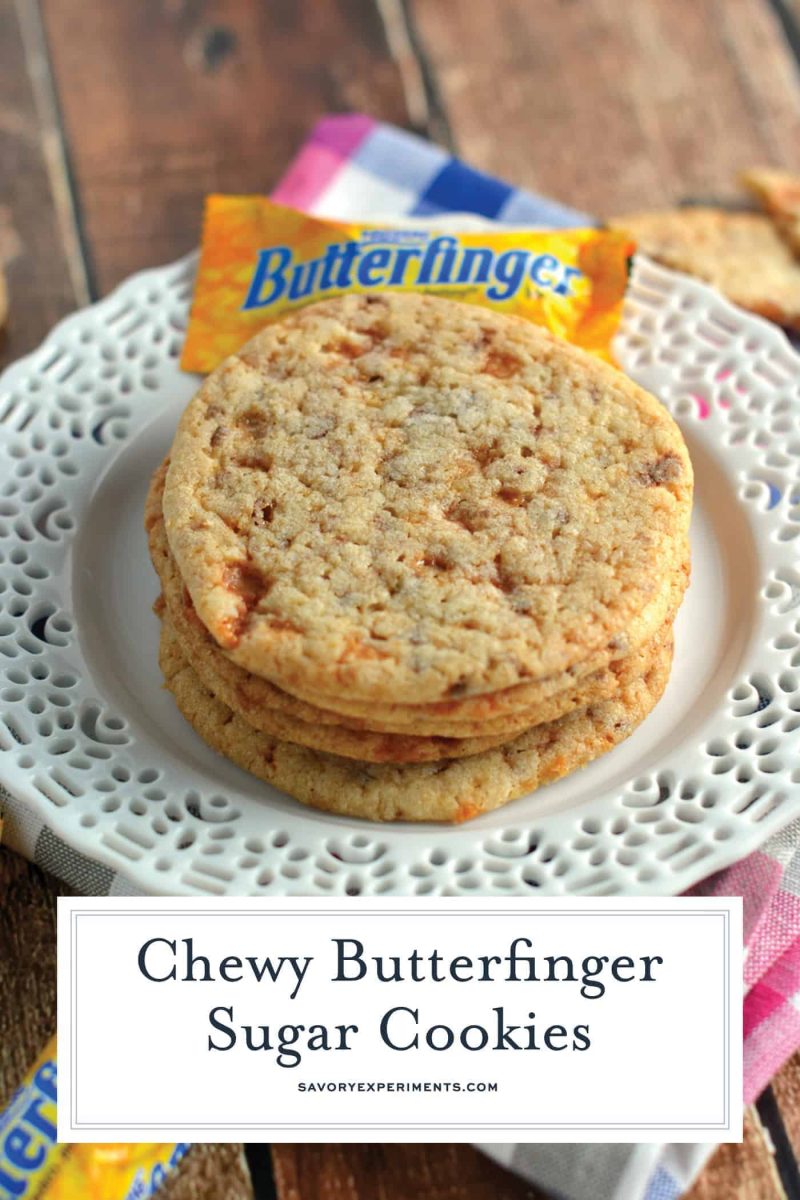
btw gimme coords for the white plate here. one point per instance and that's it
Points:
(98, 750)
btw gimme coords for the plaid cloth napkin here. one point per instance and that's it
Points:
(354, 167)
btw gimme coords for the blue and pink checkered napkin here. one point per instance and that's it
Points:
(354, 168)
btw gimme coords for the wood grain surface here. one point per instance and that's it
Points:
(32, 234)
(613, 107)
(117, 118)
(393, 1172)
(203, 97)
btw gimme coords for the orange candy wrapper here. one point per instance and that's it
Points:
(260, 260)
(34, 1166)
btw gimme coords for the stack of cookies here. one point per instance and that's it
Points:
(417, 558)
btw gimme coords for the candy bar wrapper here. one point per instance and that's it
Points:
(260, 260)
(34, 1166)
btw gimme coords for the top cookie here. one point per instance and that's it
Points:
(404, 497)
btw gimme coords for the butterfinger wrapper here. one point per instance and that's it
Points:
(260, 260)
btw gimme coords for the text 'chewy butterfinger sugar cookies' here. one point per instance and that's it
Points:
(417, 557)
(260, 260)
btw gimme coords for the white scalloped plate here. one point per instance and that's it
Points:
(94, 745)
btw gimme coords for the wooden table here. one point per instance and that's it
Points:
(117, 117)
